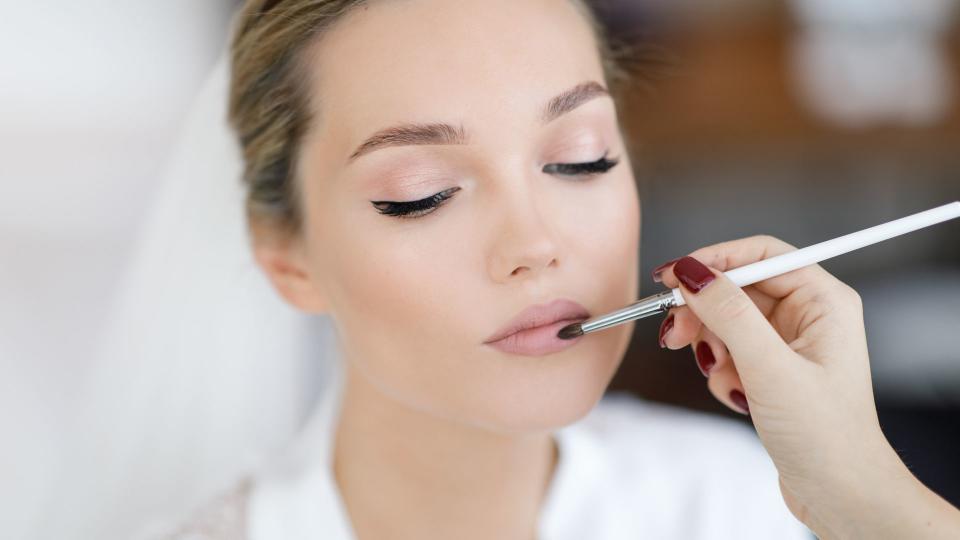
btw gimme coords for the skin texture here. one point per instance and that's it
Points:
(433, 418)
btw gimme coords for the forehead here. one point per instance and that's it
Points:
(455, 60)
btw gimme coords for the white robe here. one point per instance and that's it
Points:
(629, 469)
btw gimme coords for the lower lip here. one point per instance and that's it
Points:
(537, 341)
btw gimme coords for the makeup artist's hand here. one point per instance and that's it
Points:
(792, 350)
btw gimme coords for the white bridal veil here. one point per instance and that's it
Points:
(203, 371)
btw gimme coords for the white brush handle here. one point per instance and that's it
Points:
(781, 264)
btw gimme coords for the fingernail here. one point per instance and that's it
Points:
(665, 327)
(693, 274)
(659, 270)
(705, 358)
(740, 400)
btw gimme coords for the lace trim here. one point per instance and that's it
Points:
(223, 518)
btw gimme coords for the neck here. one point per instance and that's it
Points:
(404, 473)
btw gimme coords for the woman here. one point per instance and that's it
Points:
(432, 174)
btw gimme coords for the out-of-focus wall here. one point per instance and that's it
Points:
(730, 141)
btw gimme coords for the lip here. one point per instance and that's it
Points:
(534, 331)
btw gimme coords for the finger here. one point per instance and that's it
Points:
(726, 386)
(681, 325)
(736, 253)
(714, 362)
(709, 352)
(731, 315)
(679, 328)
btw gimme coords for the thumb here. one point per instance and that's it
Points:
(731, 315)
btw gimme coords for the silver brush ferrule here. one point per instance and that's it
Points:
(651, 305)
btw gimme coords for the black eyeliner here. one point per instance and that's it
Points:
(414, 209)
(599, 166)
(419, 207)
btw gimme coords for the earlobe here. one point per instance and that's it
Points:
(286, 268)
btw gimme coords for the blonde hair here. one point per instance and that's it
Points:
(269, 99)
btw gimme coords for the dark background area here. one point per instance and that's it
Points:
(728, 142)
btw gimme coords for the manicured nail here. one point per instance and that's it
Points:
(705, 358)
(659, 270)
(740, 400)
(665, 327)
(693, 274)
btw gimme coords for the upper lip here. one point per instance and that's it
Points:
(537, 315)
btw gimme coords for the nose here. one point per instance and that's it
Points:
(524, 245)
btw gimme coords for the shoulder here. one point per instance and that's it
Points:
(222, 518)
(686, 452)
(713, 467)
(634, 429)
(691, 447)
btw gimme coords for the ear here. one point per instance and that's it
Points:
(285, 264)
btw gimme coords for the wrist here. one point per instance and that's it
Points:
(875, 497)
(848, 487)
(883, 499)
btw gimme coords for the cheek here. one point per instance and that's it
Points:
(379, 273)
(608, 235)
(391, 285)
(617, 229)
(397, 304)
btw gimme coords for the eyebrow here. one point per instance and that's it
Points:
(446, 134)
(571, 99)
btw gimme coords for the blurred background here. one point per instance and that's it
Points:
(808, 119)
(805, 119)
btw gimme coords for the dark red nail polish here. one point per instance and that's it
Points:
(740, 400)
(705, 358)
(659, 270)
(665, 327)
(693, 273)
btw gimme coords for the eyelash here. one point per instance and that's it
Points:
(599, 166)
(415, 209)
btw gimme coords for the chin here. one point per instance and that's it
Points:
(547, 393)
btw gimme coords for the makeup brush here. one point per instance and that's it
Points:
(768, 268)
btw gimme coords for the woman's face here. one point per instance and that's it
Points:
(414, 298)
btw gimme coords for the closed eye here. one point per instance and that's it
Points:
(599, 166)
(422, 207)
(413, 209)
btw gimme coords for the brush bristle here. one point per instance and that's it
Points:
(570, 331)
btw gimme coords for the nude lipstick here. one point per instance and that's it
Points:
(534, 331)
